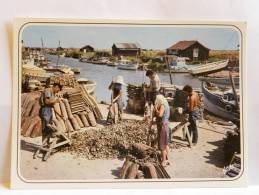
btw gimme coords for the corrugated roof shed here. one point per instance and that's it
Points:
(127, 45)
(182, 45)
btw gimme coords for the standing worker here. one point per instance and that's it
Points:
(48, 100)
(154, 86)
(162, 114)
(116, 87)
(193, 106)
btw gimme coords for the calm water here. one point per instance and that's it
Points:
(103, 75)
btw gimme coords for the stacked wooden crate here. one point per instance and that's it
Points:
(136, 101)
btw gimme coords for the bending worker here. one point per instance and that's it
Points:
(162, 113)
(48, 100)
(116, 87)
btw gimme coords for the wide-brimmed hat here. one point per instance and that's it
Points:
(119, 79)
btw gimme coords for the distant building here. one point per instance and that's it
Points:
(60, 49)
(191, 49)
(126, 49)
(87, 48)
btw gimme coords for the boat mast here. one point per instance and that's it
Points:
(42, 46)
(234, 89)
(169, 68)
(58, 53)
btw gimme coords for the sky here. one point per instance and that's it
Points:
(149, 37)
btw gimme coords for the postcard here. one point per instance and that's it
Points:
(128, 104)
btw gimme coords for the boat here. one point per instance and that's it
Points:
(127, 65)
(220, 80)
(109, 63)
(89, 85)
(208, 68)
(178, 69)
(220, 102)
(177, 64)
(76, 70)
(59, 68)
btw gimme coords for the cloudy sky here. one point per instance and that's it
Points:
(149, 37)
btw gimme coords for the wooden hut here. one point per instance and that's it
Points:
(194, 50)
(126, 49)
(87, 48)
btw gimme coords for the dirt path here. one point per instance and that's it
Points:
(203, 161)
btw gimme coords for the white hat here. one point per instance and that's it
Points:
(119, 79)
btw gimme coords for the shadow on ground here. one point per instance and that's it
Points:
(116, 172)
(29, 146)
(216, 156)
(180, 142)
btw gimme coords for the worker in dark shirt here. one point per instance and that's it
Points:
(48, 100)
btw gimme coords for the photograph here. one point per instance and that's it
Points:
(128, 101)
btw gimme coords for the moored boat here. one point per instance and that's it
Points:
(76, 70)
(220, 80)
(220, 103)
(208, 68)
(127, 65)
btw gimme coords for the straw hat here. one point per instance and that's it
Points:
(119, 79)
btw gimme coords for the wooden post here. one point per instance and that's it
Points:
(169, 68)
(234, 89)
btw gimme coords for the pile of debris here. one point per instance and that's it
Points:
(64, 80)
(231, 144)
(113, 141)
(109, 142)
(143, 163)
(76, 110)
(234, 167)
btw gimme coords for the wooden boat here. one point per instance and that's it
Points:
(178, 69)
(220, 80)
(220, 103)
(109, 63)
(76, 70)
(89, 85)
(208, 68)
(127, 65)
(60, 68)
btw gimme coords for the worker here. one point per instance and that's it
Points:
(47, 101)
(192, 110)
(116, 87)
(154, 86)
(162, 114)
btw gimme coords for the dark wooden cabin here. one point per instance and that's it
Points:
(126, 49)
(194, 50)
(87, 48)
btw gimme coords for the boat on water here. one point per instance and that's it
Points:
(60, 68)
(178, 69)
(208, 68)
(220, 80)
(127, 65)
(76, 70)
(109, 63)
(220, 102)
(89, 85)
